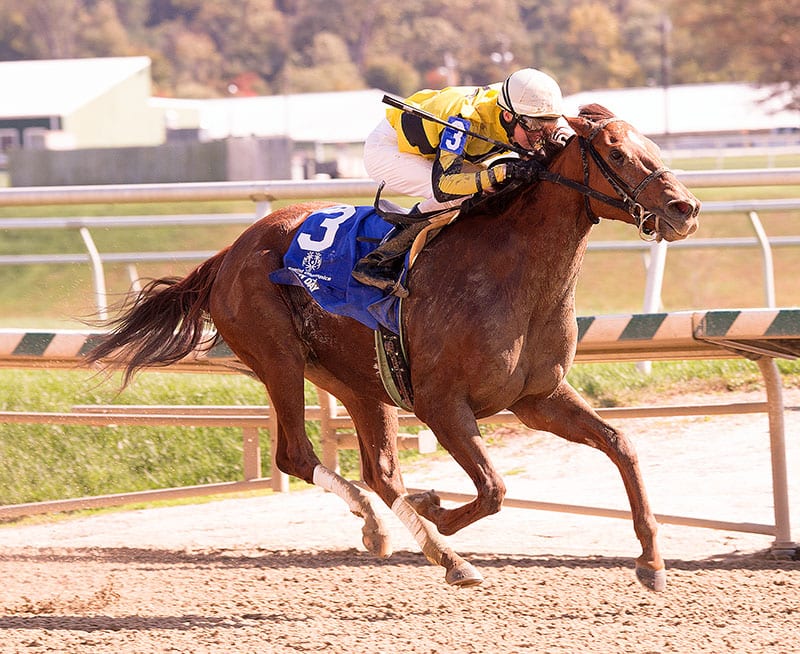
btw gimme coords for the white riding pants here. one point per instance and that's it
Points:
(404, 173)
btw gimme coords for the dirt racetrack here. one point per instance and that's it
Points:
(287, 573)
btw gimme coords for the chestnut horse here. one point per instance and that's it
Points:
(489, 325)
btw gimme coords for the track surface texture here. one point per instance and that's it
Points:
(287, 573)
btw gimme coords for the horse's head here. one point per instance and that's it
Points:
(628, 179)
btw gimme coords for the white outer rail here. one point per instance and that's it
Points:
(266, 191)
(263, 192)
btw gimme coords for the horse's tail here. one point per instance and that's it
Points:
(165, 322)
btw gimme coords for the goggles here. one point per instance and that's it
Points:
(531, 124)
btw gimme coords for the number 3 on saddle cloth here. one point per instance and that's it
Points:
(323, 254)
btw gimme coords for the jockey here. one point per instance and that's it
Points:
(445, 166)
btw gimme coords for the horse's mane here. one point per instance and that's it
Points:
(494, 203)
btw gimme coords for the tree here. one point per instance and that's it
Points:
(50, 29)
(734, 40)
(598, 57)
(250, 36)
(12, 44)
(642, 25)
(61, 29)
(491, 41)
(201, 47)
(330, 69)
(392, 74)
(102, 33)
(194, 60)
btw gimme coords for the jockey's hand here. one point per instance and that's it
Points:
(522, 171)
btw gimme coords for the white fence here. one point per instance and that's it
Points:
(262, 193)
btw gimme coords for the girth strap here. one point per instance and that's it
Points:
(393, 367)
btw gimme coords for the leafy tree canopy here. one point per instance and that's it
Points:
(207, 48)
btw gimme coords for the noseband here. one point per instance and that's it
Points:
(627, 196)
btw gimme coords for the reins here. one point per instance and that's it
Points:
(627, 199)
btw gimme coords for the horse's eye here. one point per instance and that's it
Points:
(616, 156)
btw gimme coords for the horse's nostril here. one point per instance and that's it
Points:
(682, 209)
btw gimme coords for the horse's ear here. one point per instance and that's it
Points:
(581, 125)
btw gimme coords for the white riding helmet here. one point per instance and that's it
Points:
(530, 92)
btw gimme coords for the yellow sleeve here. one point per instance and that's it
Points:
(449, 182)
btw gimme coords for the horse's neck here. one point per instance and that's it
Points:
(526, 258)
(551, 223)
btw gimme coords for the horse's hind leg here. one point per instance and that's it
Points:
(270, 348)
(295, 455)
(566, 414)
(376, 424)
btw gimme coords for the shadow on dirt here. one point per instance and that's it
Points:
(136, 622)
(311, 559)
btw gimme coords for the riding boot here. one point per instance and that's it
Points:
(381, 267)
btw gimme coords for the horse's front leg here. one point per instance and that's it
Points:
(376, 424)
(457, 431)
(566, 414)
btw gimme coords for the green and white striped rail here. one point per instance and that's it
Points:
(690, 334)
(65, 348)
(627, 337)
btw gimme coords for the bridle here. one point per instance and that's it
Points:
(627, 199)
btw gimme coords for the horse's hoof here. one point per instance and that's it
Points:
(655, 580)
(464, 575)
(377, 543)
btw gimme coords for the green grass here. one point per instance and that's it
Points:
(42, 462)
(55, 461)
(735, 162)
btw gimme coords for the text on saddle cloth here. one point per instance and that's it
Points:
(324, 252)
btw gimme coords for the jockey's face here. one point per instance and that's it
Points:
(531, 133)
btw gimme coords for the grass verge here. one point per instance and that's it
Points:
(43, 462)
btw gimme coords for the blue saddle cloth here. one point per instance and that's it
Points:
(322, 255)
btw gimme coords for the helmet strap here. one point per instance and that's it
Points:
(508, 124)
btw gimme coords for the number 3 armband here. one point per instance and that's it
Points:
(453, 138)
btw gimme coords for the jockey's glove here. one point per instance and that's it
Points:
(520, 170)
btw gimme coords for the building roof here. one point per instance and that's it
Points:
(57, 87)
(336, 117)
(693, 108)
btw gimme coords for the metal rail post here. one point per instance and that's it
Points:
(783, 545)
(657, 260)
(766, 253)
(98, 274)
